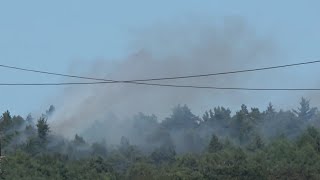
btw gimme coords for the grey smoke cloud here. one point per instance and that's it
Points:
(172, 50)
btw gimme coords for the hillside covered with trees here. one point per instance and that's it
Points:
(247, 144)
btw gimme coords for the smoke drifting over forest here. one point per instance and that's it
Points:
(127, 131)
(171, 50)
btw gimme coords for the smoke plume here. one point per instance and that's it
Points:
(172, 50)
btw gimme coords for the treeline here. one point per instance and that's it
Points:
(248, 144)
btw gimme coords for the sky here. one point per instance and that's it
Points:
(57, 35)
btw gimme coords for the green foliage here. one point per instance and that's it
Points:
(215, 145)
(181, 118)
(243, 125)
(252, 144)
(257, 143)
(43, 128)
(99, 149)
(304, 112)
(221, 113)
(6, 121)
(164, 154)
(270, 110)
(141, 171)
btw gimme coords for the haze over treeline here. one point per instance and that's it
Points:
(175, 49)
(182, 145)
(125, 131)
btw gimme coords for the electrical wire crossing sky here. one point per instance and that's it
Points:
(140, 81)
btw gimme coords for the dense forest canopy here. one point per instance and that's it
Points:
(247, 144)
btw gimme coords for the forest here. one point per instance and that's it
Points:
(246, 144)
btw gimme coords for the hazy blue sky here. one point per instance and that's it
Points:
(51, 35)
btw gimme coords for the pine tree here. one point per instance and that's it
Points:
(78, 140)
(242, 125)
(43, 128)
(270, 110)
(6, 121)
(50, 111)
(29, 119)
(215, 145)
(304, 112)
(205, 117)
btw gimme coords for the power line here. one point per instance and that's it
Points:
(52, 73)
(163, 78)
(230, 72)
(107, 81)
(164, 85)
